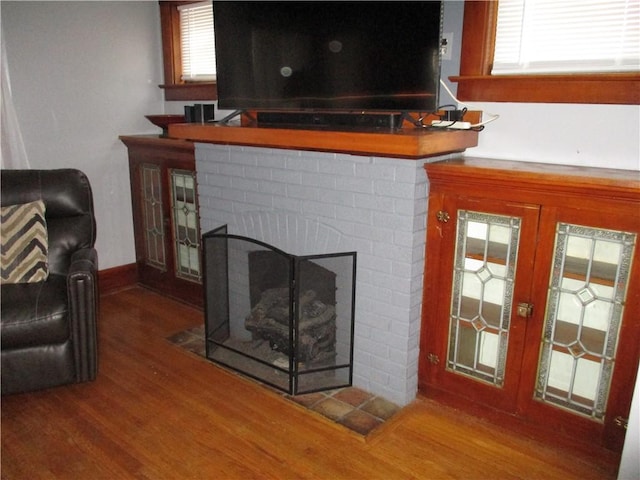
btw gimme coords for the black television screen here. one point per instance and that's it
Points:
(345, 56)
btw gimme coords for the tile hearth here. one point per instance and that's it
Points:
(351, 407)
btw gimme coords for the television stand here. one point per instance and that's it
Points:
(228, 118)
(339, 120)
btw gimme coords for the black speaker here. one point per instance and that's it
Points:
(199, 113)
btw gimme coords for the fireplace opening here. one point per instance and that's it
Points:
(283, 319)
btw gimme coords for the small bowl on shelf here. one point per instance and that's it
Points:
(163, 121)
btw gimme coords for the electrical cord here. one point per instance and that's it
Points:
(419, 122)
(475, 126)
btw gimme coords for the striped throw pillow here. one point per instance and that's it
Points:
(24, 243)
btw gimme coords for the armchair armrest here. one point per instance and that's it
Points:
(83, 311)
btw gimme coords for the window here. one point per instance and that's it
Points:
(194, 82)
(483, 79)
(549, 36)
(197, 41)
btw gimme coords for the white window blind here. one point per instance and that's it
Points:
(197, 41)
(567, 36)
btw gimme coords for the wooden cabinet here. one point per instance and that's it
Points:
(532, 294)
(165, 215)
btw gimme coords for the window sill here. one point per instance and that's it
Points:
(191, 91)
(622, 88)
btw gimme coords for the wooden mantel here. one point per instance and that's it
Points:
(412, 143)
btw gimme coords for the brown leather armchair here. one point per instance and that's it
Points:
(48, 328)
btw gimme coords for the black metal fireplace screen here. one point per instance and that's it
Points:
(282, 319)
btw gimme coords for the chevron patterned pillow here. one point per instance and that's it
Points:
(24, 243)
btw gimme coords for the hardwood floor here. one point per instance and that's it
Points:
(158, 412)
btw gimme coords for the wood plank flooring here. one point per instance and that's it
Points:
(157, 412)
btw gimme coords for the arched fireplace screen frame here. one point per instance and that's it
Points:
(285, 320)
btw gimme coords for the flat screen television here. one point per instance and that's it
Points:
(339, 56)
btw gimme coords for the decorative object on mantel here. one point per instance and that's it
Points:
(351, 407)
(164, 120)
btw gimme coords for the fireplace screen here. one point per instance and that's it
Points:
(282, 319)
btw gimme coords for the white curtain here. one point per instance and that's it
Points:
(12, 154)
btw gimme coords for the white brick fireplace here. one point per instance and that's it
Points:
(308, 203)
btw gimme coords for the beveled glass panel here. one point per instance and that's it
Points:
(482, 295)
(186, 234)
(587, 291)
(153, 216)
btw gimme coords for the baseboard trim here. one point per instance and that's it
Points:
(117, 278)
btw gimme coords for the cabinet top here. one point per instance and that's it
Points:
(535, 177)
(156, 141)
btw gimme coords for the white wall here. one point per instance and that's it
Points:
(588, 135)
(83, 73)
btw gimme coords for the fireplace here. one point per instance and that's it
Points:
(308, 202)
(283, 319)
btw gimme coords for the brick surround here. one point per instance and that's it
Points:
(306, 203)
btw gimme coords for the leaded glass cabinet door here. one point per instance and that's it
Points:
(585, 304)
(186, 231)
(492, 250)
(582, 347)
(482, 298)
(153, 216)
